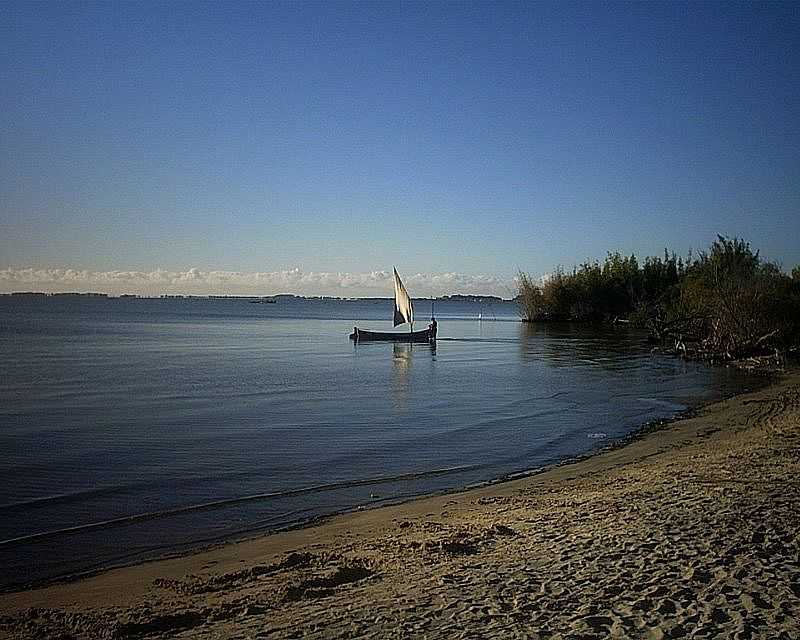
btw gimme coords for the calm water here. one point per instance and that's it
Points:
(187, 421)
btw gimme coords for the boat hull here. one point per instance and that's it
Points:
(360, 335)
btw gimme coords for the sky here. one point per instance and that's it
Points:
(308, 147)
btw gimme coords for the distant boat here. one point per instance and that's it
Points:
(403, 313)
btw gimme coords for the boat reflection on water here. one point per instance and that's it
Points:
(402, 358)
(401, 363)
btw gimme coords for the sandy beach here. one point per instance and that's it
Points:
(689, 531)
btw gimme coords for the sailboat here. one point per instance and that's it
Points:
(403, 313)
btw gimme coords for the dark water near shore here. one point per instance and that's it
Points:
(131, 428)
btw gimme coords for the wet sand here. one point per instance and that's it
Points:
(690, 531)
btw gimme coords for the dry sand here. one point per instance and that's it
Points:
(690, 531)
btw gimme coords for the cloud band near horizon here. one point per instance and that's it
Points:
(196, 281)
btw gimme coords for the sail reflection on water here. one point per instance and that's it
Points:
(403, 354)
(401, 370)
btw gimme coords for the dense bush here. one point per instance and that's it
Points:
(725, 302)
(598, 292)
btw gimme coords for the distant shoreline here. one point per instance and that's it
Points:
(276, 297)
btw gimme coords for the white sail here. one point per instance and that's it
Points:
(403, 310)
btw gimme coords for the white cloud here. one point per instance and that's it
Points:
(198, 282)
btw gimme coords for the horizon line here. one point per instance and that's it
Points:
(212, 296)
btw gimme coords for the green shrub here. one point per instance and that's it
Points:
(726, 302)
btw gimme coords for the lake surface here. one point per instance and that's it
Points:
(130, 428)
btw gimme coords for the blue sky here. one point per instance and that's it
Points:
(475, 138)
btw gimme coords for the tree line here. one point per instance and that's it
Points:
(725, 302)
